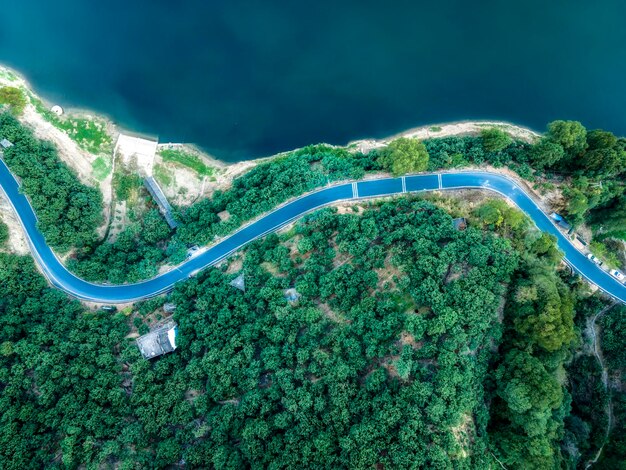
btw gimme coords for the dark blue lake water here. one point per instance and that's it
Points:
(248, 79)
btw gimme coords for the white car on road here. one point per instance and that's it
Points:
(594, 259)
(617, 274)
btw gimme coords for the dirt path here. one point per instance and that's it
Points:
(597, 351)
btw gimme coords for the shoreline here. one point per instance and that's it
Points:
(426, 131)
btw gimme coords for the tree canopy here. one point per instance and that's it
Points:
(68, 212)
(405, 155)
(571, 135)
(495, 140)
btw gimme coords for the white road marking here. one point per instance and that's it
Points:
(355, 191)
(404, 184)
(440, 182)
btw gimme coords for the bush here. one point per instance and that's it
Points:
(4, 233)
(13, 98)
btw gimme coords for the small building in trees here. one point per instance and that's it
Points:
(239, 283)
(159, 197)
(6, 143)
(459, 223)
(291, 295)
(159, 341)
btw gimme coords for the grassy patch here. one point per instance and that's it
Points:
(89, 133)
(13, 98)
(162, 175)
(126, 185)
(101, 167)
(188, 160)
(434, 129)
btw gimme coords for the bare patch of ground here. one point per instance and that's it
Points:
(453, 275)
(235, 265)
(232, 401)
(272, 269)
(330, 314)
(17, 240)
(352, 209)
(389, 364)
(464, 434)
(407, 339)
(119, 220)
(192, 394)
(458, 202)
(69, 151)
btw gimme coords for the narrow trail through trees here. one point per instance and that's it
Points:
(597, 351)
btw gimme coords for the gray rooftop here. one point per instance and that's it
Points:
(460, 223)
(5, 143)
(292, 295)
(239, 282)
(159, 341)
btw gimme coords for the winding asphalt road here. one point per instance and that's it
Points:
(60, 277)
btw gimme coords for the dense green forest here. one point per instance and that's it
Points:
(412, 344)
(68, 211)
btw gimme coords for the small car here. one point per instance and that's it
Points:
(594, 259)
(192, 251)
(617, 274)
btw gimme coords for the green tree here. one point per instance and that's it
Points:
(495, 140)
(530, 392)
(490, 214)
(571, 135)
(546, 153)
(405, 155)
(611, 218)
(577, 205)
(604, 162)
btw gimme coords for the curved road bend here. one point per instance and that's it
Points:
(60, 277)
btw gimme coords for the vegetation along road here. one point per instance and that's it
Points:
(63, 279)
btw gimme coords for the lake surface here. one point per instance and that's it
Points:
(249, 79)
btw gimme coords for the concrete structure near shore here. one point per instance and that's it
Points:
(159, 341)
(136, 153)
(157, 194)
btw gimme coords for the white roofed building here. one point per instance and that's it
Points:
(159, 341)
